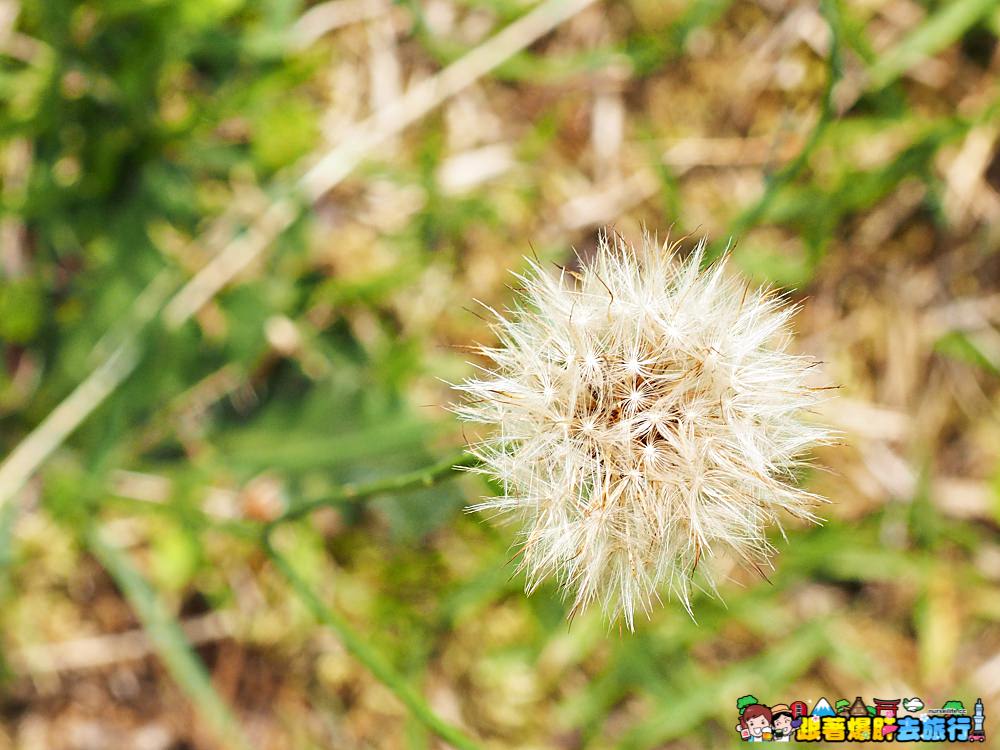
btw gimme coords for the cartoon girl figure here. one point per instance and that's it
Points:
(756, 720)
(783, 723)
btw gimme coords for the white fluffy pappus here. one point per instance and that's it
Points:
(645, 413)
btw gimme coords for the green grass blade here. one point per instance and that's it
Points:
(169, 641)
(680, 715)
(8, 516)
(932, 36)
(749, 218)
(364, 653)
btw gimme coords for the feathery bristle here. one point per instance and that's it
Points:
(646, 413)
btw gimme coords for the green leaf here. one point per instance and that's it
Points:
(963, 347)
(769, 265)
(21, 310)
(174, 557)
(204, 13)
(284, 132)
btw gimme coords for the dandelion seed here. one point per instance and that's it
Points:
(645, 414)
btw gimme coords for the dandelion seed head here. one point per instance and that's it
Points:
(644, 414)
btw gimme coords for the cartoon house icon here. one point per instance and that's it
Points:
(858, 708)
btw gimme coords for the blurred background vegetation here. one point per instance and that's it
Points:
(850, 147)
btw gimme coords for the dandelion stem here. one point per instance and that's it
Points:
(351, 640)
(425, 477)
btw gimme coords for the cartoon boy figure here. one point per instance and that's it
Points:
(783, 723)
(756, 720)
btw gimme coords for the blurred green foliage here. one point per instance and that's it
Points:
(143, 120)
